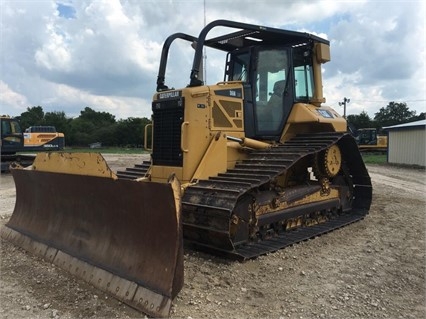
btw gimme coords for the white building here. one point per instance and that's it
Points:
(407, 143)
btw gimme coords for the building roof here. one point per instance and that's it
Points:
(406, 125)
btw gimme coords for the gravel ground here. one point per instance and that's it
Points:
(371, 269)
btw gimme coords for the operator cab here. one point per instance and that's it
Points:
(275, 77)
(277, 68)
(12, 140)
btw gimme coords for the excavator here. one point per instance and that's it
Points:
(240, 168)
(43, 138)
(12, 143)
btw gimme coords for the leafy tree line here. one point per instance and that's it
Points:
(92, 126)
(89, 127)
(394, 113)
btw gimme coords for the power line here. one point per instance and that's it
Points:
(388, 101)
(385, 101)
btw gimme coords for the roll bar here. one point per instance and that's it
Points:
(164, 55)
(249, 35)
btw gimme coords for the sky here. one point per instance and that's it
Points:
(66, 55)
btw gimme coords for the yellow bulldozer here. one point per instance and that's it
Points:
(240, 168)
(369, 140)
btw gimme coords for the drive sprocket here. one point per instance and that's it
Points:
(328, 163)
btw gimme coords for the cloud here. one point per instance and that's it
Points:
(8, 97)
(378, 51)
(68, 54)
(66, 97)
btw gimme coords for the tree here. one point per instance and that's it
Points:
(421, 116)
(131, 131)
(92, 126)
(362, 120)
(97, 118)
(59, 120)
(33, 116)
(89, 127)
(106, 134)
(394, 113)
(81, 132)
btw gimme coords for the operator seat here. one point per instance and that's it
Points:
(276, 99)
(271, 113)
(275, 103)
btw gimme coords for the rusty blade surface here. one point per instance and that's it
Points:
(126, 229)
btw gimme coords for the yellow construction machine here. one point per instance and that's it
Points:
(43, 138)
(242, 167)
(12, 143)
(369, 140)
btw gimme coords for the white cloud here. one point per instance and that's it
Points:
(55, 54)
(384, 44)
(11, 102)
(125, 106)
(105, 54)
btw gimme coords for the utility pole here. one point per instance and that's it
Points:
(345, 101)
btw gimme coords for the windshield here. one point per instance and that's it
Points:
(271, 83)
(10, 126)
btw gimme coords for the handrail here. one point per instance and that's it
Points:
(145, 138)
(183, 137)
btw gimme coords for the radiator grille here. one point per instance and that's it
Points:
(167, 119)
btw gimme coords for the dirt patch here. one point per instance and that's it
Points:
(371, 269)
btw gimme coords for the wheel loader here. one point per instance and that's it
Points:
(240, 168)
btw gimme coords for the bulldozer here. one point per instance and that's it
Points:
(239, 168)
(369, 140)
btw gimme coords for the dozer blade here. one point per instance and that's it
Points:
(124, 237)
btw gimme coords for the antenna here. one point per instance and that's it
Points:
(204, 50)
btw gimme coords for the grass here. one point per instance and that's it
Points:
(375, 158)
(104, 150)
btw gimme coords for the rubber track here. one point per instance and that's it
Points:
(219, 195)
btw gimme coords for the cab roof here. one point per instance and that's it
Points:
(251, 35)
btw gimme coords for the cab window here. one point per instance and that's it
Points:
(270, 83)
(303, 74)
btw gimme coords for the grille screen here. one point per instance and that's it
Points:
(167, 118)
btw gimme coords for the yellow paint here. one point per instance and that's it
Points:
(307, 118)
(89, 164)
(39, 139)
(314, 197)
